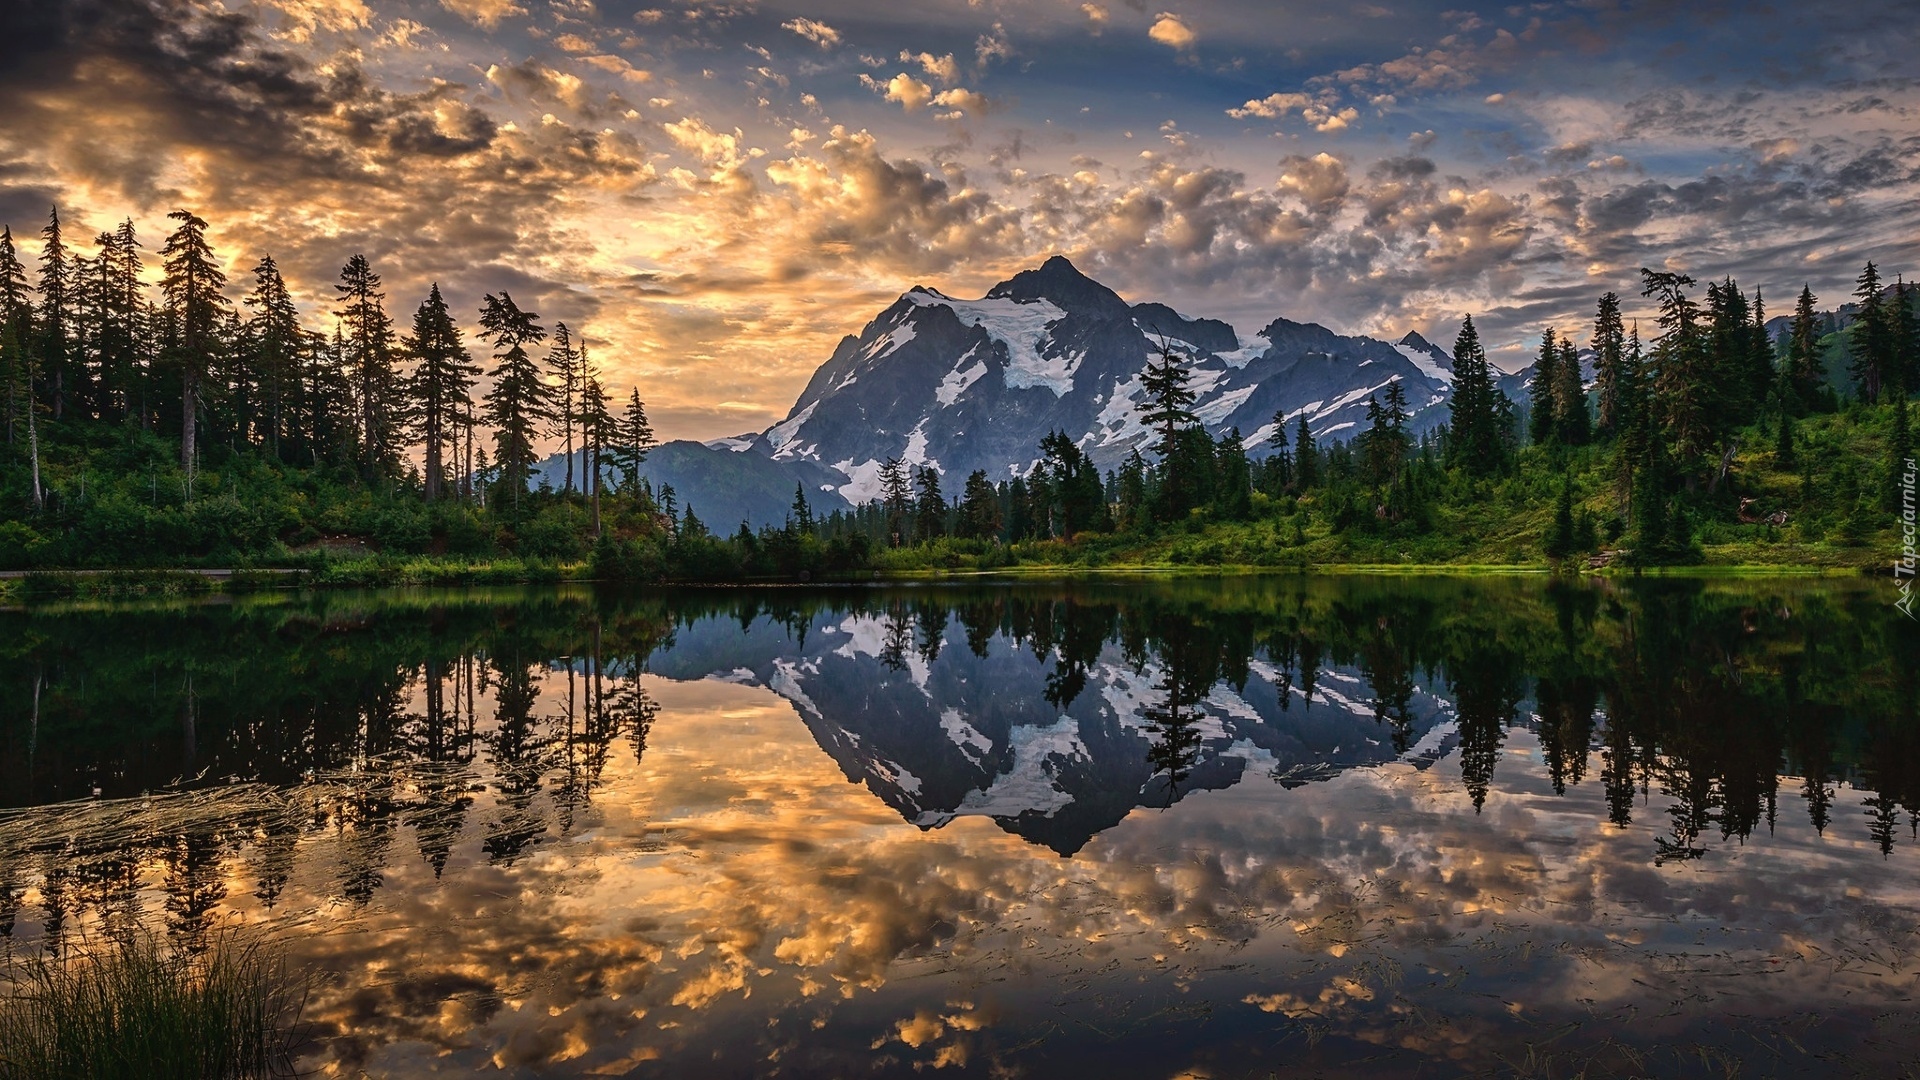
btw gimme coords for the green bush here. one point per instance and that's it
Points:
(18, 543)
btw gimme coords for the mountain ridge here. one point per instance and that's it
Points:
(956, 385)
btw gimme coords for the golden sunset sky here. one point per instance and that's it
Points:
(716, 192)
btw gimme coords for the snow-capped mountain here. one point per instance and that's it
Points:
(975, 384)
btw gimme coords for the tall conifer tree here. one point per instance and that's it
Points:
(518, 404)
(1542, 391)
(440, 388)
(195, 309)
(1609, 348)
(370, 364)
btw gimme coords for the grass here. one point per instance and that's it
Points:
(132, 1006)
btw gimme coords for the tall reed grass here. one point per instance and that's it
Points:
(132, 1006)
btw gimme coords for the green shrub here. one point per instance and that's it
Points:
(18, 543)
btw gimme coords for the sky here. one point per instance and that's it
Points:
(715, 192)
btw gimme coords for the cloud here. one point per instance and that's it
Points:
(817, 32)
(992, 46)
(513, 151)
(1322, 111)
(910, 92)
(1271, 107)
(944, 68)
(962, 100)
(304, 18)
(1172, 31)
(485, 13)
(1319, 181)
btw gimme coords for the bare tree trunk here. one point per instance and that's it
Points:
(189, 410)
(33, 446)
(434, 459)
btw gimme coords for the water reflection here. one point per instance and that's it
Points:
(1425, 825)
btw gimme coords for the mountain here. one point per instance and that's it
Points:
(975, 384)
(723, 487)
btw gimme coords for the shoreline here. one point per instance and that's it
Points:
(20, 585)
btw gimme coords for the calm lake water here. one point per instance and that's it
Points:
(1289, 826)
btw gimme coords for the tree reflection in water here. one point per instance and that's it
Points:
(462, 733)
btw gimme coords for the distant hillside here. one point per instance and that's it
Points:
(724, 487)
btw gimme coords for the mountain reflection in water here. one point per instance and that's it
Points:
(1409, 826)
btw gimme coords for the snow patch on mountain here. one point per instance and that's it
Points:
(1424, 361)
(916, 452)
(1250, 349)
(781, 434)
(962, 376)
(887, 346)
(1022, 328)
(1119, 421)
(863, 480)
(1217, 410)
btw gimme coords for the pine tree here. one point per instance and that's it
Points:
(16, 315)
(1384, 444)
(1633, 417)
(274, 338)
(596, 431)
(13, 358)
(120, 333)
(801, 514)
(1609, 347)
(1233, 488)
(1560, 540)
(370, 365)
(631, 441)
(930, 509)
(440, 388)
(192, 285)
(563, 375)
(1761, 376)
(517, 405)
(1869, 339)
(1805, 370)
(1685, 394)
(979, 507)
(896, 499)
(1903, 326)
(1306, 455)
(1481, 429)
(1169, 410)
(56, 314)
(1573, 425)
(329, 432)
(1542, 411)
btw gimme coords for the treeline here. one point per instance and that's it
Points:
(173, 424)
(1633, 445)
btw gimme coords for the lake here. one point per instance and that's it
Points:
(1279, 825)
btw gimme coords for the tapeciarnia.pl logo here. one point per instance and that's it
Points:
(1903, 567)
